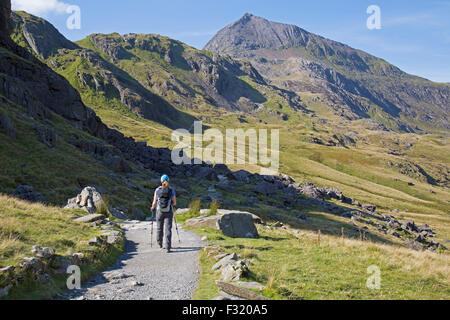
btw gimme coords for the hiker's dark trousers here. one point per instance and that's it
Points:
(164, 228)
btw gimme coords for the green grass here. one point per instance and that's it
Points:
(302, 268)
(60, 172)
(24, 225)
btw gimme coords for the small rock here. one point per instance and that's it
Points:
(77, 258)
(7, 270)
(415, 246)
(44, 253)
(113, 239)
(135, 284)
(239, 292)
(369, 207)
(250, 285)
(231, 258)
(221, 298)
(233, 272)
(278, 224)
(90, 218)
(220, 256)
(5, 291)
(63, 264)
(94, 241)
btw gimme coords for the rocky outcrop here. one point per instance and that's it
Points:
(89, 200)
(27, 193)
(42, 37)
(45, 263)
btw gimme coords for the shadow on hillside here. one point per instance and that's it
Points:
(318, 217)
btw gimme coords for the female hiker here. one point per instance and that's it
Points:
(164, 201)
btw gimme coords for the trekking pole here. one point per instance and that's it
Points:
(151, 241)
(176, 224)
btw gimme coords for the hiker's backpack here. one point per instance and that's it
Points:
(165, 199)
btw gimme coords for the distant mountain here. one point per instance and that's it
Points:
(152, 76)
(356, 84)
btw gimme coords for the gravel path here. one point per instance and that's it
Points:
(145, 273)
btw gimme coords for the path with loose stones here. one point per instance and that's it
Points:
(144, 272)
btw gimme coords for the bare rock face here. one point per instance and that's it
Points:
(5, 28)
(320, 65)
(251, 32)
(42, 37)
(7, 126)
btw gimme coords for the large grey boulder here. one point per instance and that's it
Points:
(89, 200)
(238, 225)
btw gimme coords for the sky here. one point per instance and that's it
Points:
(414, 35)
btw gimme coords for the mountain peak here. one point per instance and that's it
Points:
(251, 32)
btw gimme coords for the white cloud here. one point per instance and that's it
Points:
(38, 7)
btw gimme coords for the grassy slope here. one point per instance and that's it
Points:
(299, 267)
(24, 225)
(58, 173)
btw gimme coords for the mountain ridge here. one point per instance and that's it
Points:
(297, 60)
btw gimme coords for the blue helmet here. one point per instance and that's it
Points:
(164, 178)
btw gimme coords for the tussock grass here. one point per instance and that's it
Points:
(299, 267)
(23, 225)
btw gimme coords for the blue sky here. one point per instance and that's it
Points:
(415, 35)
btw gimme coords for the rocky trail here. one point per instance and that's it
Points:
(146, 273)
